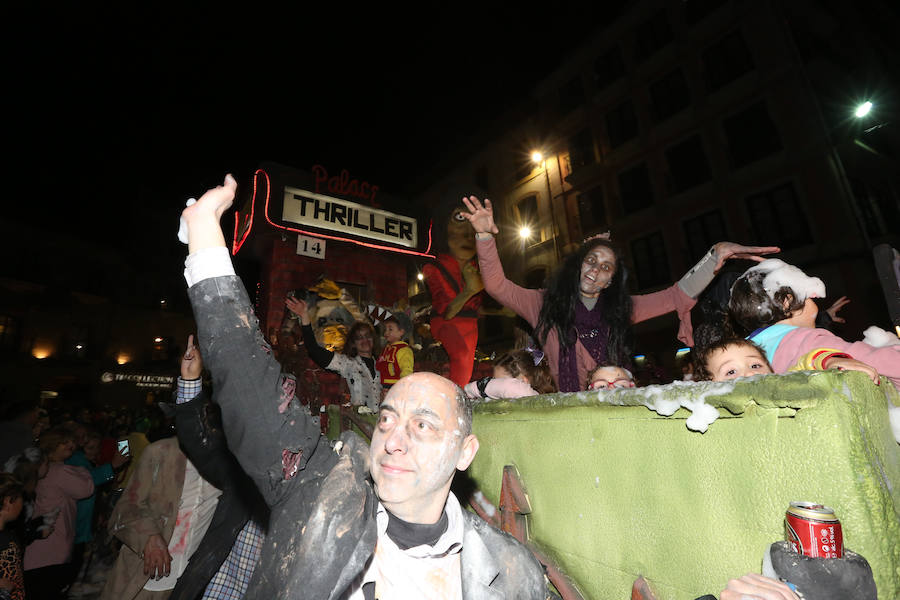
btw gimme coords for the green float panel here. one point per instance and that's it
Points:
(619, 491)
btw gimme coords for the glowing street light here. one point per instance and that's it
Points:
(536, 157)
(863, 109)
(524, 232)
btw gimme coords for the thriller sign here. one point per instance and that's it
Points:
(333, 214)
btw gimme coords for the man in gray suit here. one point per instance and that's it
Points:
(348, 521)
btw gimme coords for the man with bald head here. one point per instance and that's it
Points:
(348, 522)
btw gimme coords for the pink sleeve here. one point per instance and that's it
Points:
(647, 306)
(76, 482)
(508, 387)
(526, 303)
(804, 339)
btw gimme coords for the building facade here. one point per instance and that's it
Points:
(681, 124)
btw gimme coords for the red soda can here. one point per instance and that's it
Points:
(813, 530)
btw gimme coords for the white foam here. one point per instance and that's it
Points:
(691, 396)
(878, 337)
(780, 274)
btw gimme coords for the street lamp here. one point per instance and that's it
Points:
(863, 109)
(524, 232)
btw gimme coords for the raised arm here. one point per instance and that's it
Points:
(271, 436)
(317, 353)
(526, 303)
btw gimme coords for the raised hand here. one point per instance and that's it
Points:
(481, 217)
(119, 459)
(726, 250)
(299, 308)
(202, 217)
(191, 361)
(834, 308)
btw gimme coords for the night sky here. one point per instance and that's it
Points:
(118, 115)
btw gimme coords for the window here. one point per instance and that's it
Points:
(669, 95)
(635, 189)
(688, 166)
(726, 60)
(751, 135)
(571, 95)
(703, 231)
(581, 149)
(609, 68)
(697, 10)
(651, 260)
(592, 211)
(527, 209)
(652, 35)
(621, 124)
(777, 218)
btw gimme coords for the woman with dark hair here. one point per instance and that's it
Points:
(584, 316)
(356, 364)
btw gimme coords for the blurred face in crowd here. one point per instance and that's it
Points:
(597, 269)
(92, 449)
(417, 446)
(63, 451)
(364, 341)
(11, 508)
(392, 332)
(736, 361)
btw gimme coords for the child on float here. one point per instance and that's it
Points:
(773, 301)
(396, 360)
(517, 374)
(730, 358)
(609, 377)
(356, 364)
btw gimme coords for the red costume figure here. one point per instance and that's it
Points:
(455, 285)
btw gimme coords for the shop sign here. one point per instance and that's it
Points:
(142, 381)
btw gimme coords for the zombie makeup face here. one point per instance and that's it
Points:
(610, 378)
(597, 270)
(417, 446)
(736, 361)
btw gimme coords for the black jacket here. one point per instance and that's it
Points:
(202, 439)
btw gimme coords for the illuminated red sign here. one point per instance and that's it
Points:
(243, 223)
